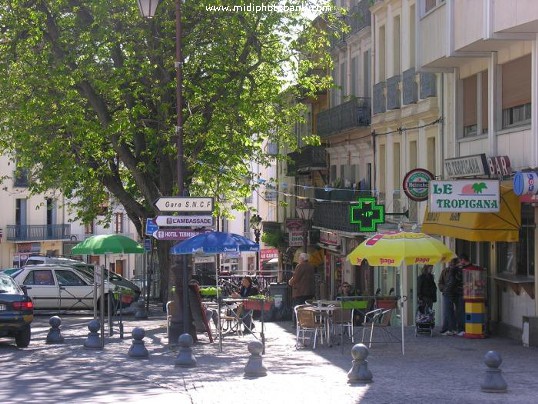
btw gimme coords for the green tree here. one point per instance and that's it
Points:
(88, 98)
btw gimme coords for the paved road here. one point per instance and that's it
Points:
(434, 369)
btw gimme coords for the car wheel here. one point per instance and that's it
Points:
(22, 338)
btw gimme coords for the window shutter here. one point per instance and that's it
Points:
(469, 101)
(516, 86)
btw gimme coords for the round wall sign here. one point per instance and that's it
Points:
(415, 184)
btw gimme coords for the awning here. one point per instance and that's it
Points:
(317, 256)
(501, 226)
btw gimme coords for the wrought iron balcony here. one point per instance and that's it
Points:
(410, 88)
(359, 16)
(428, 85)
(309, 158)
(334, 215)
(350, 114)
(393, 92)
(380, 104)
(38, 232)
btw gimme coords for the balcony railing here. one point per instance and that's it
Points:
(307, 159)
(350, 114)
(410, 88)
(393, 92)
(428, 85)
(359, 16)
(334, 215)
(38, 232)
(380, 104)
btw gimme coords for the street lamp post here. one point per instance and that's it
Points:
(306, 212)
(148, 9)
(256, 225)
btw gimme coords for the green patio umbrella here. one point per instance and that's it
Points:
(108, 244)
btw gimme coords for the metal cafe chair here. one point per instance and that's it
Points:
(342, 319)
(307, 323)
(378, 319)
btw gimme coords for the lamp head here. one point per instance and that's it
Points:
(148, 7)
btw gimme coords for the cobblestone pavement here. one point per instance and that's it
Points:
(434, 369)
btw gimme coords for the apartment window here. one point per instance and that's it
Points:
(475, 104)
(366, 73)
(430, 153)
(516, 92)
(118, 223)
(20, 211)
(396, 166)
(431, 4)
(381, 55)
(396, 46)
(518, 258)
(343, 82)
(382, 167)
(355, 76)
(333, 173)
(20, 178)
(334, 91)
(412, 36)
(413, 155)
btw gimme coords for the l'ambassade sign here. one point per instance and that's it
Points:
(464, 196)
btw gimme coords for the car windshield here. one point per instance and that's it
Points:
(7, 285)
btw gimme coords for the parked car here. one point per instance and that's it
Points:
(129, 288)
(9, 271)
(16, 312)
(58, 287)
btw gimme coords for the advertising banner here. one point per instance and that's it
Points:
(476, 195)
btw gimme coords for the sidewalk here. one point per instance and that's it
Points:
(434, 369)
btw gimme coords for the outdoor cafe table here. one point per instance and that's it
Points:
(248, 304)
(324, 309)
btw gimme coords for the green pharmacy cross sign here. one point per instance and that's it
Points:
(367, 214)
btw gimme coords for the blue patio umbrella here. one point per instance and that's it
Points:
(215, 242)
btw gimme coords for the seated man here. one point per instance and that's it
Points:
(346, 290)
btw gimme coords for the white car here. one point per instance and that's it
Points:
(58, 287)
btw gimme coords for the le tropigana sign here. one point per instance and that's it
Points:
(475, 195)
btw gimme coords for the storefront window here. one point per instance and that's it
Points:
(518, 258)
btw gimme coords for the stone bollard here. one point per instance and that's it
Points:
(138, 349)
(141, 313)
(494, 381)
(254, 367)
(55, 336)
(185, 357)
(93, 341)
(359, 372)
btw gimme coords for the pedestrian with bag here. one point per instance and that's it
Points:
(447, 286)
(426, 287)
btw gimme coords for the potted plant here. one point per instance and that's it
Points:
(259, 302)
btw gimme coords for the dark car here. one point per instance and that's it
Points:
(16, 312)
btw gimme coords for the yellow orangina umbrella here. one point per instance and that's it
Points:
(395, 248)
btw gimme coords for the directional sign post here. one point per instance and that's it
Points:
(174, 234)
(184, 204)
(184, 221)
(151, 226)
(367, 214)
